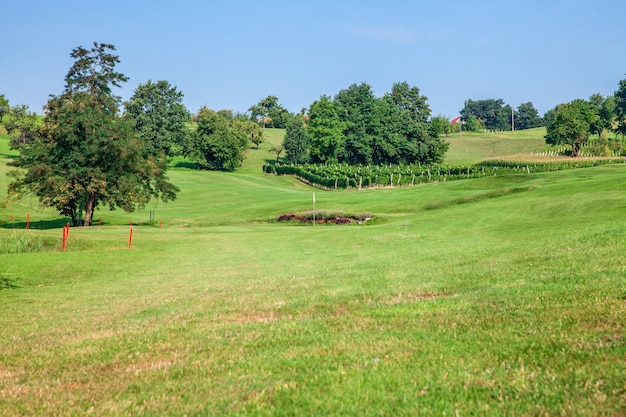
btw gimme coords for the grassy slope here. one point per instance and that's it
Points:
(508, 305)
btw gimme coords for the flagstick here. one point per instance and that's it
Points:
(313, 209)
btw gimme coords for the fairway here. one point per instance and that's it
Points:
(504, 295)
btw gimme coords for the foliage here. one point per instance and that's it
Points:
(439, 125)
(493, 114)
(251, 129)
(218, 143)
(4, 106)
(620, 107)
(276, 150)
(572, 124)
(85, 154)
(334, 176)
(269, 113)
(527, 117)
(472, 124)
(159, 117)
(21, 125)
(325, 130)
(296, 142)
(358, 128)
(604, 109)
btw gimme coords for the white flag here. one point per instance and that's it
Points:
(313, 198)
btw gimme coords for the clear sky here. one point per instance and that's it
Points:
(230, 54)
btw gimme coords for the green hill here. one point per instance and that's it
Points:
(497, 296)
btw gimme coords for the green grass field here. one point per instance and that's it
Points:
(459, 298)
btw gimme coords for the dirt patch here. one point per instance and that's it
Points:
(323, 218)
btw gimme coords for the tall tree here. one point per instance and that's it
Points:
(440, 125)
(604, 108)
(296, 141)
(325, 130)
(493, 114)
(4, 106)
(21, 125)
(269, 113)
(527, 117)
(358, 108)
(620, 107)
(217, 144)
(85, 154)
(158, 115)
(571, 124)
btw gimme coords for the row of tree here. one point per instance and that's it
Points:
(573, 123)
(356, 127)
(492, 114)
(87, 152)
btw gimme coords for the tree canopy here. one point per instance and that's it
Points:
(159, 117)
(527, 117)
(269, 113)
(619, 103)
(492, 114)
(218, 143)
(571, 124)
(356, 127)
(84, 153)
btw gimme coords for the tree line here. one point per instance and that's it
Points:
(91, 149)
(356, 127)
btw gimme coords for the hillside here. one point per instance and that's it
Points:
(497, 296)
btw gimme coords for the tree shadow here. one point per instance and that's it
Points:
(37, 225)
(187, 165)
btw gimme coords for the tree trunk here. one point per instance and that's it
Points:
(89, 209)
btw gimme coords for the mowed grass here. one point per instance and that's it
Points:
(470, 147)
(497, 296)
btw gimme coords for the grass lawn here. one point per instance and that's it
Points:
(453, 300)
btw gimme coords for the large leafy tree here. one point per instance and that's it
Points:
(357, 127)
(571, 124)
(604, 108)
(493, 114)
(325, 130)
(269, 113)
(358, 108)
(527, 117)
(158, 115)
(296, 141)
(85, 154)
(21, 124)
(218, 143)
(418, 142)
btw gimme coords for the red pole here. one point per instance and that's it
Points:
(65, 235)
(28, 221)
(68, 229)
(131, 223)
(161, 224)
(130, 239)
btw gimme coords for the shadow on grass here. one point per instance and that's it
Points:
(187, 165)
(37, 225)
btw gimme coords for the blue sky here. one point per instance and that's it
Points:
(231, 54)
